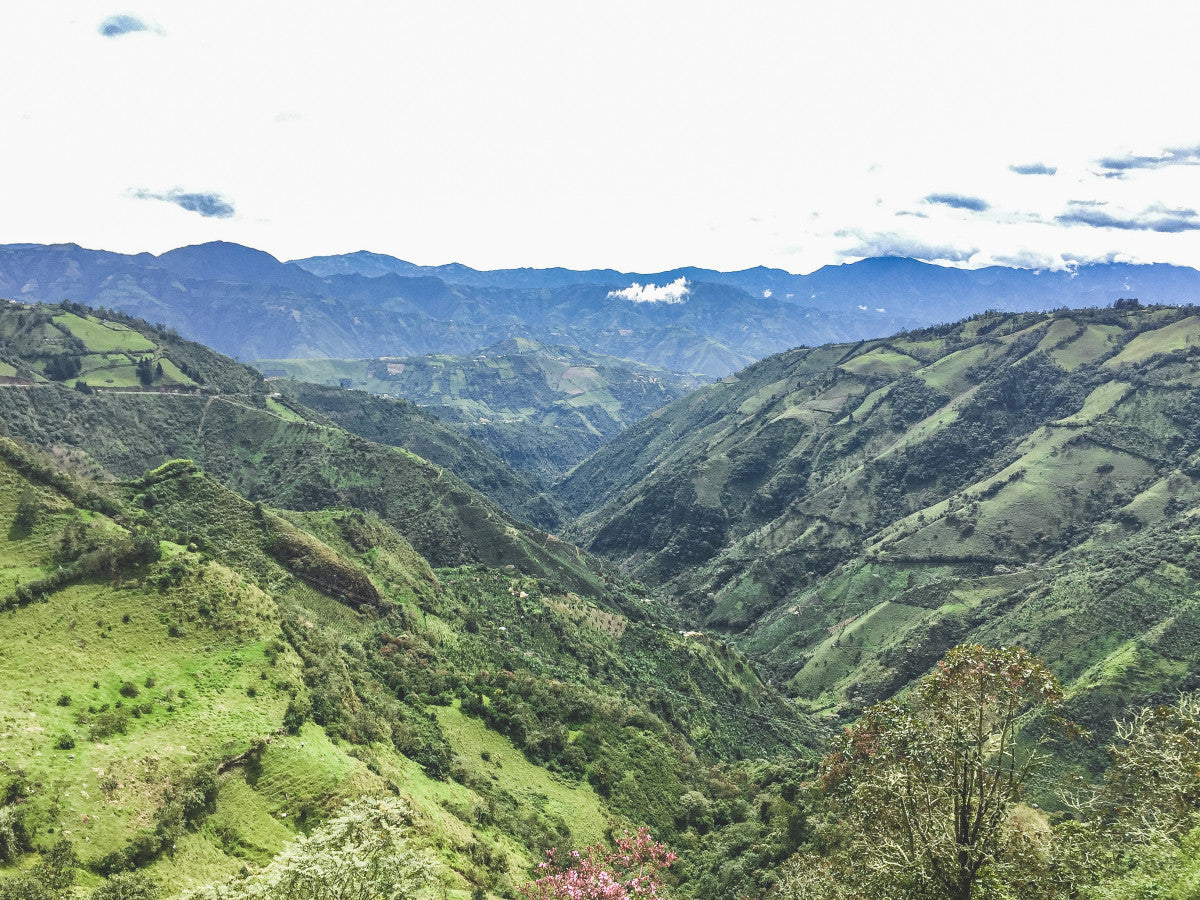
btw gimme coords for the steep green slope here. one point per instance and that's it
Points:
(399, 423)
(851, 511)
(262, 448)
(230, 670)
(541, 408)
(187, 708)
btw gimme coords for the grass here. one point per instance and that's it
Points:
(1099, 402)
(576, 804)
(1095, 342)
(322, 371)
(881, 361)
(948, 371)
(104, 337)
(1176, 336)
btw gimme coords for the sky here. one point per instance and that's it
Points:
(633, 135)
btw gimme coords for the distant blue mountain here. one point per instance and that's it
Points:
(248, 304)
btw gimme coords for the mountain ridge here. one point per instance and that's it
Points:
(248, 304)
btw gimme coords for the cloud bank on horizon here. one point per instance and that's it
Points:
(952, 151)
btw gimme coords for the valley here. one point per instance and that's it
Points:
(233, 604)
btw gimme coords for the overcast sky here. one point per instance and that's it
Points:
(637, 135)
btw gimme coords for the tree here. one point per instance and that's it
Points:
(1152, 786)
(127, 886)
(28, 511)
(362, 854)
(928, 785)
(596, 873)
(145, 372)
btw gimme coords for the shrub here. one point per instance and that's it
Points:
(13, 838)
(127, 886)
(109, 723)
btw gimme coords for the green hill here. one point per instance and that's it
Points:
(847, 513)
(540, 408)
(258, 445)
(399, 423)
(189, 678)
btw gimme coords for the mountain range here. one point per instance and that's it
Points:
(245, 303)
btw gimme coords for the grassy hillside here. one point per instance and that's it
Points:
(849, 512)
(399, 423)
(189, 679)
(261, 447)
(540, 408)
(204, 657)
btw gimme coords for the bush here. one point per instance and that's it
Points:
(28, 512)
(13, 838)
(65, 741)
(127, 886)
(108, 723)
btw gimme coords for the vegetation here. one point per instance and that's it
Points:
(541, 408)
(227, 622)
(927, 786)
(303, 659)
(364, 853)
(597, 873)
(846, 514)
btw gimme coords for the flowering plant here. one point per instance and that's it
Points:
(596, 873)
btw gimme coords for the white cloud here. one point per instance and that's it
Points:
(767, 294)
(675, 292)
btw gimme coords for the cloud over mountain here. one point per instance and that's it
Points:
(870, 245)
(209, 204)
(675, 292)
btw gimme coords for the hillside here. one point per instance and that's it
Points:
(540, 408)
(224, 418)
(189, 680)
(847, 513)
(204, 659)
(399, 423)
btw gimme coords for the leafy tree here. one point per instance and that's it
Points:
(127, 886)
(1153, 784)
(28, 512)
(928, 785)
(362, 854)
(14, 839)
(63, 367)
(595, 873)
(50, 879)
(1137, 836)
